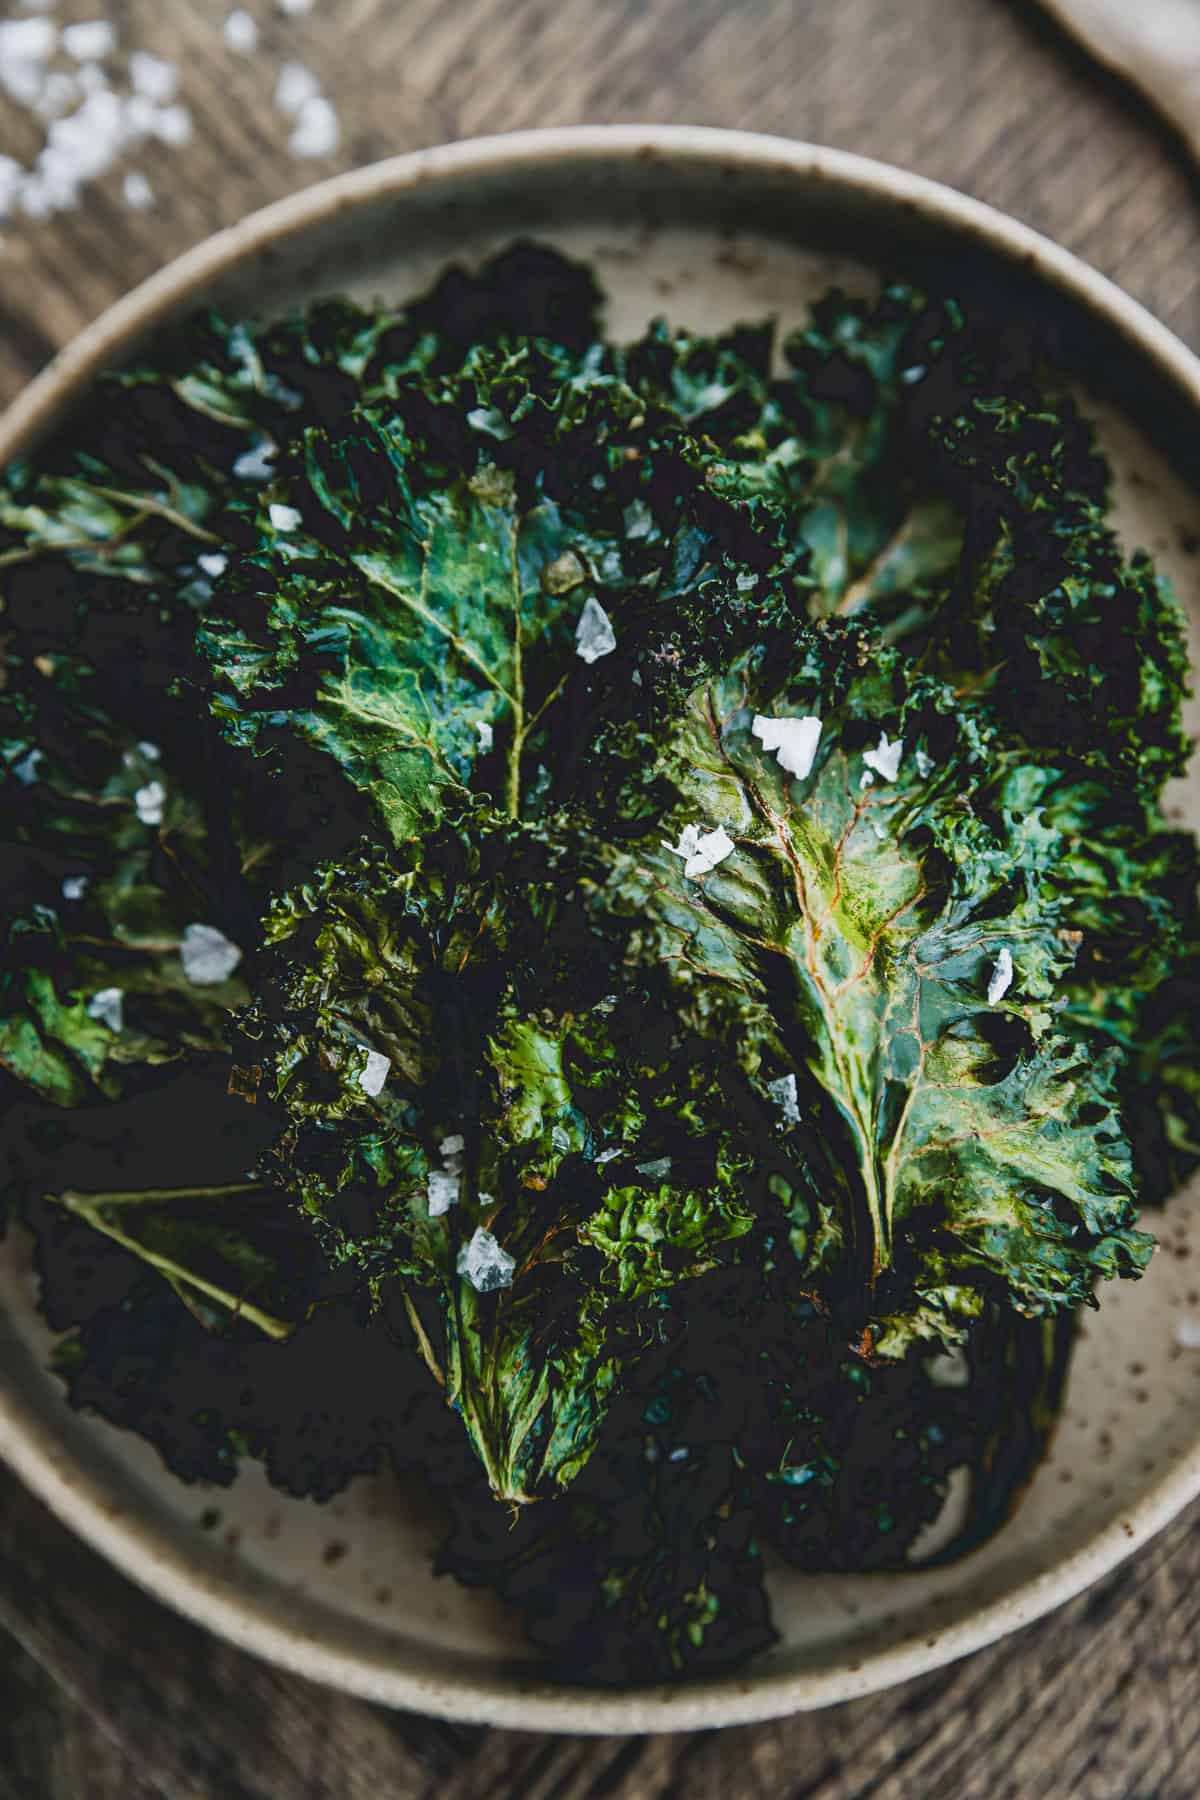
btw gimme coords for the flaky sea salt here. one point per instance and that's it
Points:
(256, 464)
(295, 85)
(89, 40)
(925, 764)
(317, 131)
(441, 1192)
(284, 518)
(452, 1146)
(657, 1169)
(74, 887)
(594, 634)
(783, 1092)
(241, 32)
(885, 758)
(1187, 1332)
(793, 740)
(1002, 975)
(207, 955)
(374, 1073)
(152, 76)
(26, 41)
(949, 1369)
(213, 563)
(486, 735)
(26, 771)
(485, 1263)
(172, 125)
(109, 1007)
(137, 191)
(150, 801)
(607, 1156)
(701, 850)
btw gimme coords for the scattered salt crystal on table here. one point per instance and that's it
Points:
(793, 740)
(26, 41)
(296, 85)
(441, 1191)
(885, 758)
(153, 76)
(317, 130)
(485, 1263)
(89, 41)
(295, 9)
(594, 634)
(374, 1073)
(173, 125)
(207, 955)
(1002, 975)
(1187, 1332)
(108, 1006)
(241, 32)
(137, 191)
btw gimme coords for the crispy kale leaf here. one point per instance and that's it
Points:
(893, 912)
(521, 1105)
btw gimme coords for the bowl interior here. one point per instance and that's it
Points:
(346, 1591)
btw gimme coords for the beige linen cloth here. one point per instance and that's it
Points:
(1154, 43)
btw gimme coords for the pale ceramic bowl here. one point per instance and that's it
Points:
(708, 227)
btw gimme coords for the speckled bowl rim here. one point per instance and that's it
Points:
(29, 1444)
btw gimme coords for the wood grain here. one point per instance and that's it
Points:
(102, 1691)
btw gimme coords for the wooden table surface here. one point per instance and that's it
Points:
(102, 1691)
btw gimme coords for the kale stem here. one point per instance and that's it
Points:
(144, 503)
(518, 696)
(75, 1201)
(90, 1208)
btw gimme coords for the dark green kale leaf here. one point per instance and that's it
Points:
(110, 888)
(392, 629)
(883, 905)
(427, 594)
(749, 1424)
(942, 483)
(478, 1114)
(826, 450)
